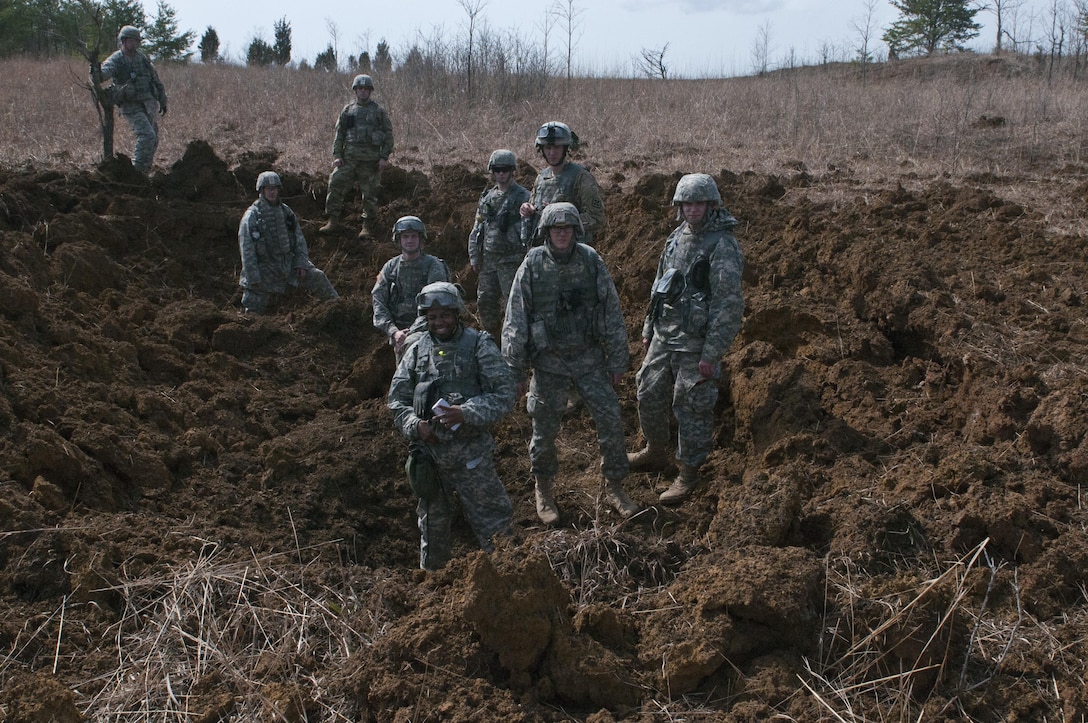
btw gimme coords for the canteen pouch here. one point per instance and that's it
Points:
(421, 472)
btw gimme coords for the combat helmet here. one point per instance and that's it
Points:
(439, 294)
(129, 31)
(695, 187)
(560, 214)
(362, 81)
(502, 158)
(554, 133)
(268, 178)
(409, 223)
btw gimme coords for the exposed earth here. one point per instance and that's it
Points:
(204, 516)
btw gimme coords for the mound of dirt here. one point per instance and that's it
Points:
(206, 512)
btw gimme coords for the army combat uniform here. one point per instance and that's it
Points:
(140, 96)
(364, 136)
(496, 248)
(468, 370)
(272, 247)
(574, 184)
(563, 320)
(394, 294)
(696, 310)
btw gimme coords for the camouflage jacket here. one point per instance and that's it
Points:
(363, 133)
(496, 233)
(134, 79)
(564, 314)
(271, 244)
(467, 370)
(394, 292)
(703, 306)
(576, 185)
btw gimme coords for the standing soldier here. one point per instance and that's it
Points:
(696, 308)
(564, 322)
(402, 277)
(138, 92)
(274, 253)
(360, 152)
(447, 392)
(564, 180)
(495, 248)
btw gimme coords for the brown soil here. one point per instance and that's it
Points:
(896, 489)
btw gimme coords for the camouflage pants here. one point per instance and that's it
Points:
(548, 402)
(256, 301)
(483, 501)
(496, 278)
(672, 378)
(343, 180)
(142, 119)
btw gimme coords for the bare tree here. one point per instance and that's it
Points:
(651, 63)
(865, 26)
(472, 9)
(1002, 10)
(90, 47)
(547, 24)
(761, 49)
(334, 37)
(570, 18)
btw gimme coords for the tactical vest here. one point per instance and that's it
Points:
(550, 188)
(362, 124)
(132, 78)
(564, 301)
(499, 213)
(406, 279)
(447, 369)
(684, 289)
(276, 241)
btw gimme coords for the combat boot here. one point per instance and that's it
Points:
(546, 509)
(333, 225)
(682, 486)
(618, 500)
(367, 231)
(650, 458)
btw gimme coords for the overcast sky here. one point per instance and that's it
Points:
(705, 37)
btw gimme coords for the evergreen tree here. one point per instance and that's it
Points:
(383, 60)
(364, 62)
(281, 48)
(209, 46)
(326, 60)
(162, 37)
(925, 26)
(260, 53)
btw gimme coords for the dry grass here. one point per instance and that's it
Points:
(884, 650)
(237, 636)
(904, 121)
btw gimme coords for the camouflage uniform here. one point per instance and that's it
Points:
(272, 247)
(576, 185)
(140, 96)
(473, 374)
(696, 322)
(394, 295)
(564, 321)
(495, 247)
(364, 136)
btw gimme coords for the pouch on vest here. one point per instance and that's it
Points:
(423, 398)
(421, 472)
(668, 288)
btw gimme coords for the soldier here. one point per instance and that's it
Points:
(447, 392)
(563, 180)
(138, 93)
(274, 253)
(564, 322)
(495, 248)
(360, 152)
(402, 277)
(696, 307)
